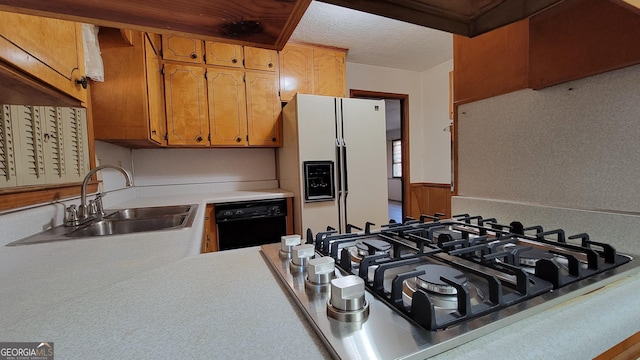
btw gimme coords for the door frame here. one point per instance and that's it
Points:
(404, 137)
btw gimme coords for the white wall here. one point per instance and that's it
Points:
(436, 143)
(376, 78)
(240, 168)
(430, 146)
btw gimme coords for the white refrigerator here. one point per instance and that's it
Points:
(334, 160)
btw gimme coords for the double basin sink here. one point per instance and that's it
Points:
(120, 222)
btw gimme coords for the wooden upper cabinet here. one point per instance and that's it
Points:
(155, 94)
(491, 64)
(128, 107)
(46, 49)
(224, 54)
(309, 69)
(186, 103)
(227, 107)
(296, 71)
(330, 76)
(579, 39)
(260, 59)
(182, 49)
(569, 41)
(263, 109)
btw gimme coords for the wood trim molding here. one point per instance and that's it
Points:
(24, 196)
(404, 134)
(302, 43)
(628, 348)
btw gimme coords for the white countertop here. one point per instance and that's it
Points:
(150, 296)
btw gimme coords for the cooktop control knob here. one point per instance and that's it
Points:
(300, 256)
(347, 301)
(320, 272)
(287, 242)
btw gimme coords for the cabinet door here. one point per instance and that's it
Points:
(30, 151)
(329, 72)
(296, 71)
(260, 59)
(155, 95)
(263, 109)
(7, 149)
(53, 141)
(223, 54)
(48, 49)
(76, 143)
(186, 103)
(181, 49)
(227, 107)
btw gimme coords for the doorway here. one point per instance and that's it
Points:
(397, 119)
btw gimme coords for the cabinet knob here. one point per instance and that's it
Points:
(82, 81)
(199, 138)
(234, 61)
(270, 65)
(274, 139)
(238, 139)
(153, 132)
(194, 55)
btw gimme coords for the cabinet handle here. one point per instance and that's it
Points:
(238, 139)
(153, 132)
(233, 61)
(194, 55)
(199, 138)
(82, 81)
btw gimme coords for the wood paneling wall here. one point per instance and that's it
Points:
(429, 199)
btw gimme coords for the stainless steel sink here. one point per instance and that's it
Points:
(150, 212)
(128, 226)
(120, 222)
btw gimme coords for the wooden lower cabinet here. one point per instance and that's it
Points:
(210, 232)
(429, 199)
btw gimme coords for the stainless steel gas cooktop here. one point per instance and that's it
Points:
(414, 290)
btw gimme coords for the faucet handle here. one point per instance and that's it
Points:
(71, 216)
(92, 208)
(98, 203)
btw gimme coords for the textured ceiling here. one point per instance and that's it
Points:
(374, 40)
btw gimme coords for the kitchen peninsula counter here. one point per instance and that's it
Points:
(150, 296)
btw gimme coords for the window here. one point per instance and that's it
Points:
(396, 158)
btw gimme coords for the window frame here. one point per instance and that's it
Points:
(393, 159)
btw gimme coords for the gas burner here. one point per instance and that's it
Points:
(531, 257)
(442, 295)
(430, 280)
(369, 247)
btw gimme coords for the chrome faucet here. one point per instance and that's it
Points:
(85, 212)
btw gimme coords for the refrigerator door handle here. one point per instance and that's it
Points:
(346, 177)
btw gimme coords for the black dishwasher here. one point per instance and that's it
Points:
(250, 223)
